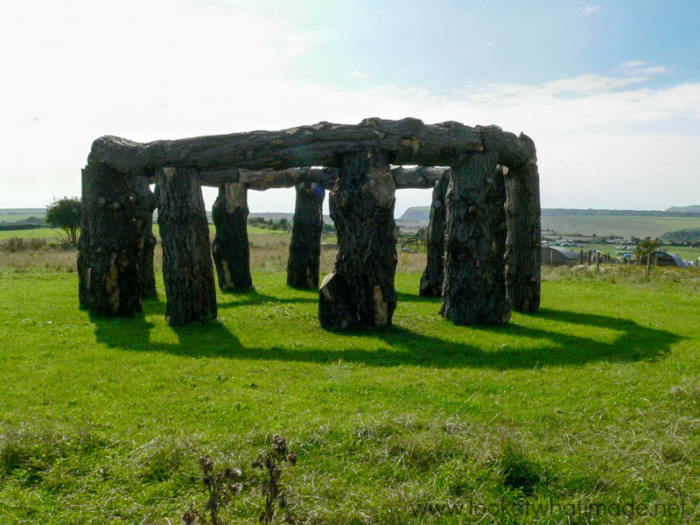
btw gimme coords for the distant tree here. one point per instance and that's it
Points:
(256, 221)
(645, 247)
(422, 235)
(65, 214)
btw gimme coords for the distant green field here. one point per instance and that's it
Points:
(37, 233)
(16, 217)
(18, 214)
(624, 226)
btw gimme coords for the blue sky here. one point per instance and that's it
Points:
(609, 91)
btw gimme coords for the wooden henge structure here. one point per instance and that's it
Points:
(483, 240)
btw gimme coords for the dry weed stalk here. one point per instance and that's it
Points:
(222, 486)
(271, 461)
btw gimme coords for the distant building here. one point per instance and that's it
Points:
(556, 256)
(659, 258)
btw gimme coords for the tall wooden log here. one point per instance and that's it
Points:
(144, 204)
(231, 248)
(474, 289)
(433, 276)
(187, 268)
(415, 177)
(84, 251)
(407, 141)
(360, 290)
(305, 245)
(523, 250)
(109, 245)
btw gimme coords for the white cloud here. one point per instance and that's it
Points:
(359, 74)
(634, 63)
(590, 10)
(606, 170)
(639, 67)
(167, 69)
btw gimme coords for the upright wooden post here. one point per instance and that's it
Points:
(474, 292)
(109, 244)
(360, 290)
(187, 268)
(144, 204)
(231, 248)
(434, 273)
(84, 246)
(305, 245)
(524, 243)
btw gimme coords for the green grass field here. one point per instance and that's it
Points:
(624, 226)
(20, 214)
(16, 217)
(50, 234)
(577, 414)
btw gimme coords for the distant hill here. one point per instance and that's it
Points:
(674, 224)
(23, 211)
(679, 236)
(416, 214)
(685, 212)
(22, 219)
(684, 209)
(620, 226)
(422, 213)
(565, 221)
(269, 215)
(413, 219)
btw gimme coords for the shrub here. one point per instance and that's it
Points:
(65, 214)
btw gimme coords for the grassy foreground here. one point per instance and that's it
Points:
(587, 412)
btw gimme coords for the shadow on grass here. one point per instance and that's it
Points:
(209, 338)
(402, 297)
(512, 346)
(253, 298)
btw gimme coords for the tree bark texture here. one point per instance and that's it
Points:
(360, 290)
(144, 204)
(523, 247)
(407, 141)
(264, 179)
(433, 276)
(231, 248)
(109, 245)
(187, 268)
(474, 290)
(305, 245)
(84, 254)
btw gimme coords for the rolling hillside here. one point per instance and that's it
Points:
(623, 223)
(623, 226)
(685, 209)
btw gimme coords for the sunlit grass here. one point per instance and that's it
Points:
(595, 399)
